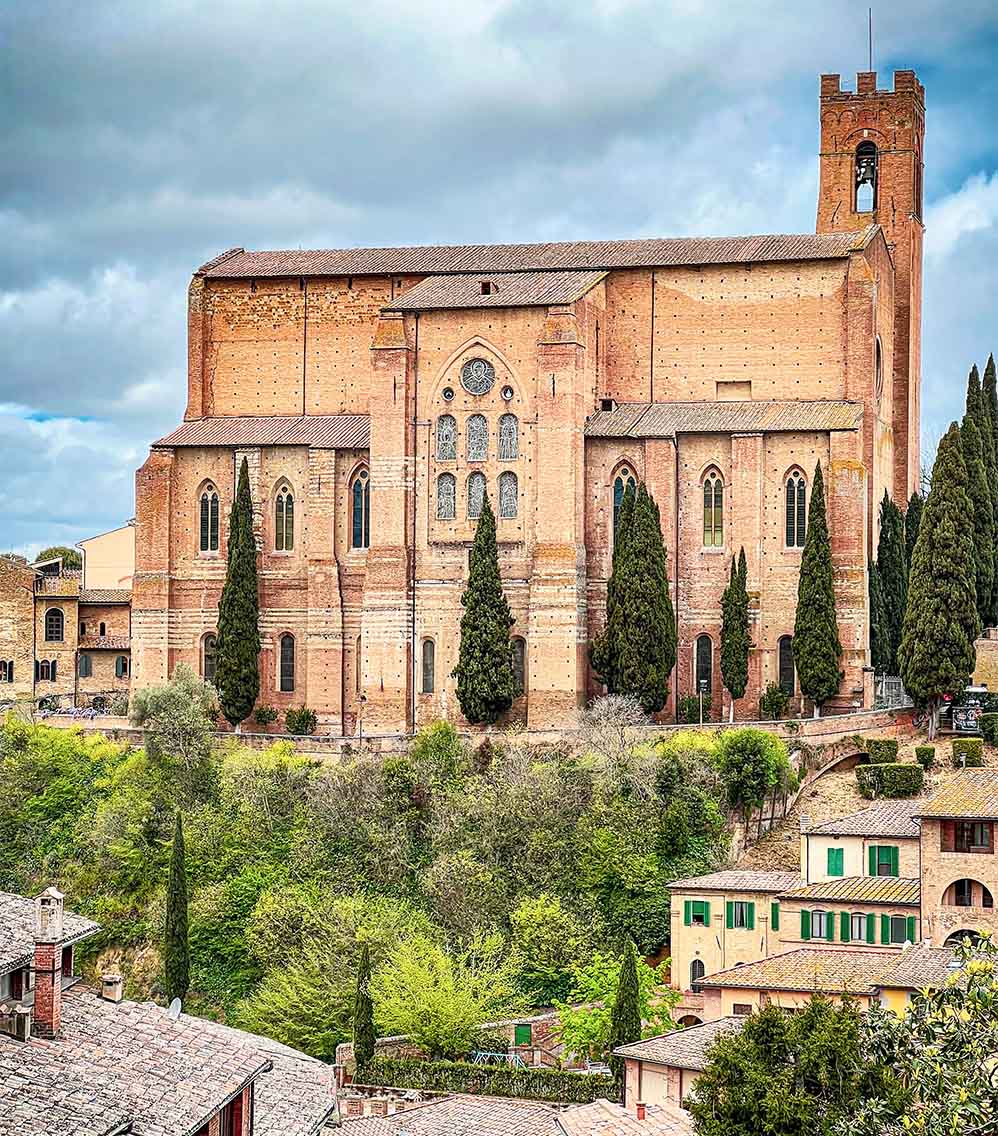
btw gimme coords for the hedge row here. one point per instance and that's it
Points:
(889, 780)
(968, 752)
(925, 756)
(879, 751)
(989, 728)
(556, 1085)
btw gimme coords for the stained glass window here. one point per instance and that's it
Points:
(796, 511)
(704, 663)
(478, 438)
(360, 511)
(478, 376)
(508, 494)
(446, 497)
(476, 495)
(209, 520)
(713, 511)
(446, 438)
(509, 437)
(284, 521)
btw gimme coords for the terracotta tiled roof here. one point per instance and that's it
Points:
(462, 1116)
(105, 643)
(682, 1048)
(326, 431)
(891, 890)
(666, 419)
(431, 259)
(105, 595)
(971, 793)
(509, 290)
(889, 819)
(17, 930)
(603, 1118)
(918, 967)
(809, 970)
(739, 881)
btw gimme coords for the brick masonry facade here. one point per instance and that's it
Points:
(361, 618)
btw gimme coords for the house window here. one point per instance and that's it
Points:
(895, 929)
(508, 495)
(883, 860)
(509, 437)
(6, 670)
(973, 836)
(477, 438)
(83, 629)
(287, 669)
(520, 664)
(697, 971)
(713, 511)
(45, 670)
(866, 177)
(741, 1009)
(284, 520)
(446, 497)
(857, 927)
(476, 495)
(796, 511)
(623, 481)
(446, 438)
(741, 914)
(121, 666)
(696, 912)
(822, 924)
(209, 520)
(55, 625)
(102, 630)
(785, 664)
(429, 662)
(86, 666)
(963, 893)
(360, 511)
(836, 857)
(209, 657)
(704, 663)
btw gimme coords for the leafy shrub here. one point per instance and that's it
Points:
(774, 703)
(968, 752)
(925, 756)
(989, 728)
(879, 751)
(752, 763)
(300, 721)
(488, 1080)
(889, 779)
(264, 715)
(688, 709)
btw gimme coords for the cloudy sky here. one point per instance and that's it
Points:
(141, 137)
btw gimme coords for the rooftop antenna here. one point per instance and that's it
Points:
(174, 1010)
(870, 12)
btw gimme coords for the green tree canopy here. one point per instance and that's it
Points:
(736, 641)
(363, 1012)
(941, 622)
(71, 557)
(486, 681)
(237, 669)
(176, 948)
(912, 519)
(816, 644)
(550, 939)
(982, 521)
(880, 648)
(752, 763)
(892, 568)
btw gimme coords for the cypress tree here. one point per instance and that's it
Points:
(988, 425)
(912, 519)
(237, 667)
(937, 648)
(892, 567)
(625, 1018)
(486, 683)
(176, 950)
(735, 641)
(637, 650)
(816, 645)
(880, 651)
(982, 521)
(363, 1012)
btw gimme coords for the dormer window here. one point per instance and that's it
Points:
(489, 287)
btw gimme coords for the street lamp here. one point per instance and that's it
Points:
(702, 692)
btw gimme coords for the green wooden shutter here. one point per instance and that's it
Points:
(774, 916)
(805, 924)
(873, 860)
(844, 927)
(522, 1034)
(885, 929)
(835, 861)
(729, 915)
(871, 928)
(894, 861)
(911, 928)
(706, 911)
(687, 912)
(830, 926)
(750, 916)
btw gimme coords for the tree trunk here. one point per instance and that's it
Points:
(731, 709)
(817, 710)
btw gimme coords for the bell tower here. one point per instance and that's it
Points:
(871, 173)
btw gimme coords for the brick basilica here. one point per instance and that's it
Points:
(378, 394)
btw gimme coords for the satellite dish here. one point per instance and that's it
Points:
(174, 1010)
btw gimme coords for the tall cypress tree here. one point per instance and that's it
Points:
(912, 519)
(363, 1012)
(941, 623)
(176, 949)
(816, 644)
(880, 640)
(625, 1018)
(486, 681)
(988, 426)
(892, 567)
(735, 640)
(637, 650)
(982, 521)
(237, 666)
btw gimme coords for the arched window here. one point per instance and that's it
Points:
(878, 371)
(360, 511)
(446, 438)
(121, 666)
(102, 630)
(796, 510)
(704, 664)
(713, 510)
(623, 479)
(287, 668)
(476, 495)
(55, 625)
(429, 666)
(446, 497)
(45, 669)
(358, 668)
(284, 520)
(509, 437)
(209, 657)
(86, 666)
(209, 519)
(967, 893)
(785, 663)
(508, 495)
(478, 438)
(866, 177)
(520, 664)
(697, 971)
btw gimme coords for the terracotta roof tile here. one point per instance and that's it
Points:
(739, 881)
(433, 259)
(325, 431)
(970, 793)
(665, 419)
(891, 890)
(682, 1048)
(17, 930)
(892, 818)
(462, 1116)
(809, 970)
(511, 290)
(105, 595)
(917, 967)
(604, 1118)
(105, 643)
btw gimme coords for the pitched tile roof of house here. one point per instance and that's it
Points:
(326, 431)
(462, 1116)
(892, 890)
(736, 880)
(808, 970)
(508, 290)
(604, 1118)
(892, 818)
(970, 793)
(431, 259)
(917, 967)
(17, 930)
(105, 643)
(105, 595)
(682, 1048)
(666, 419)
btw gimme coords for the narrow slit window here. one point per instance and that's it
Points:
(429, 666)
(713, 511)
(287, 663)
(360, 511)
(209, 520)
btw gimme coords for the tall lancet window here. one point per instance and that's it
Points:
(478, 438)
(509, 437)
(446, 438)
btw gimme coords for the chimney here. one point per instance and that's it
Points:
(111, 987)
(640, 1110)
(48, 963)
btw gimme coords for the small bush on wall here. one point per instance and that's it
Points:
(968, 753)
(688, 711)
(925, 756)
(881, 750)
(301, 721)
(889, 779)
(989, 728)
